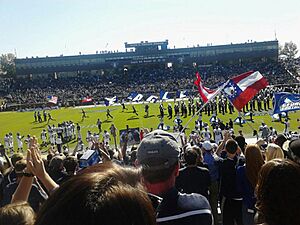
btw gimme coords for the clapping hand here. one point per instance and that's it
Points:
(35, 162)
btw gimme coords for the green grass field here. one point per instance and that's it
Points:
(23, 122)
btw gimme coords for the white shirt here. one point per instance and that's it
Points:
(106, 137)
(218, 135)
(206, 134)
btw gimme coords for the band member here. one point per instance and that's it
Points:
(108, 114)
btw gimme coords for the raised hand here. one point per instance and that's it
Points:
(35, 162)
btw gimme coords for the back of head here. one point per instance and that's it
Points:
(231, 146)
(199, 152)
(278, 192)
(158, 154)
(254, 162)
(99, 198)
(279, 140)
(190, 157)
(273, 151)
(16, 157)
(17, 214)
(294, 150)
(241, 141)
(70, 164)
(20, 166)
(56, 163)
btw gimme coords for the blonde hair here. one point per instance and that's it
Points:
(17, 214)
(274, 151)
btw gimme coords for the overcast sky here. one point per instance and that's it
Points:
(55, 27)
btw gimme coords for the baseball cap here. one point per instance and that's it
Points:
(158, 149)
(207, 145)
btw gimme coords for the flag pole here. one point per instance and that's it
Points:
(209, 100)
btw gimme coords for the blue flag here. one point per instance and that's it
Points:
(182, 94)
(164, 95)
(285, 102)
(132, 95)
(138, 98)
(152, 98)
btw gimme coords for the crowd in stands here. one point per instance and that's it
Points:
(208, 177)
(162, 181)
(144, 80)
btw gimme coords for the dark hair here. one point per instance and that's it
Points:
(70, 164)
(15, 158)
(190, 157)
(20, 165)
(113, 197)
(17, 214)
(231, 146)
(158, 175)
(278, 192)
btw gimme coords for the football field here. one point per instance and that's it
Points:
(23, 122)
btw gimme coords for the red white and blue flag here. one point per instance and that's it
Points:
(205, 93)
(242, 88)
(52, 99)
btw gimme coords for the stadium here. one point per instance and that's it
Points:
(158, 133)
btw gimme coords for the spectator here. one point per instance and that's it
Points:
(70, 164)
(56, 168)
(158, 156)
(113, 197)
(273, 151)
(213, 162)
(36, 196)
(10, 173)
(294, 150)
(232, 208)
(278, 192)
(247, 176)
(199, 175)
(17, 214)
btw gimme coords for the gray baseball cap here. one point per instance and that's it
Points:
(158, 149)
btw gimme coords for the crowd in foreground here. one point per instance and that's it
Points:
(159, 182)
(147, 81)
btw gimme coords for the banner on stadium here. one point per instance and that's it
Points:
(132, 95)
(152, 99)
(164, 95)
(285, 102)
(138, 98)
(182, 94)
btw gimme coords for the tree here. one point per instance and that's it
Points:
(7, 64)
(289, 50)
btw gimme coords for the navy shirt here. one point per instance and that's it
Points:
(228, 179)
(193, 180)
(183, 209)
(245, 188)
